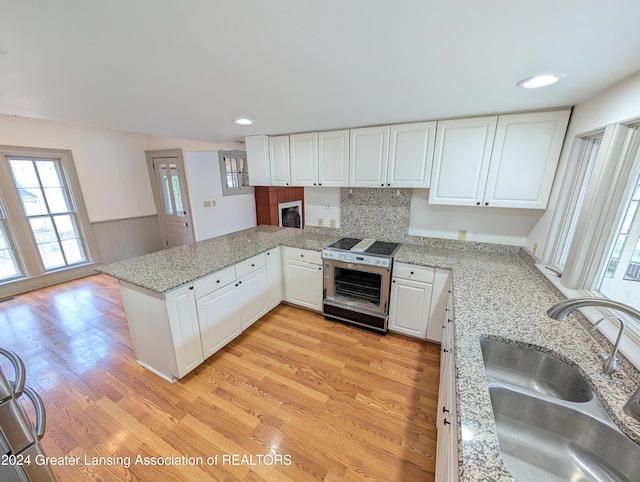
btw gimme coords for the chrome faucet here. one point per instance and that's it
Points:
(560, 310)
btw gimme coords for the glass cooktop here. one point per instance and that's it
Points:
(380, 248)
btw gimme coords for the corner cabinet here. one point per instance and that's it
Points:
(498, 161)
(303, 278)
(418, 301)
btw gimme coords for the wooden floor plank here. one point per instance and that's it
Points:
(332, 401)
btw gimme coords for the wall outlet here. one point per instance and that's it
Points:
(328, 206)
(332, 223)
(320, 222)
(207, 204)
(462, 234)
(213, 202)
(535, 248)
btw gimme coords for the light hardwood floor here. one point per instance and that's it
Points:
(295, 397)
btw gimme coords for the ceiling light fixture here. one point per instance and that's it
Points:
(243, 121)
(540, 81)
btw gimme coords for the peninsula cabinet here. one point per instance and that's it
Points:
(174, 332)
(499, 161)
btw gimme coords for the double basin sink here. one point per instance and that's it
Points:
(550, 425)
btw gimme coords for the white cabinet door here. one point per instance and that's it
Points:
(258, 160)
(279, 161)
(303, 282)
(252, 297)
(409, 307)
(185, 330)
(333, 158)
(304, 159)
(369, 151)
(524, 159)
(439, 301)
(411, 154)
(219, 317)
(274, 277)
(461, 160)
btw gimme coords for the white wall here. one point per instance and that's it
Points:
(619, 103)
(110, 164)
(489, 225)
(316, 210)
(230, 213)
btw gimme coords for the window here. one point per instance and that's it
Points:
(8, 264)
(234, 172)
(47, 206)
(43, 224)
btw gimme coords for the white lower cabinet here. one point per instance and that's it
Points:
(303, 278)
(219, 319)
(253, 297)
(174, 333)
(446, 422)
(418, 300)
(274, 276)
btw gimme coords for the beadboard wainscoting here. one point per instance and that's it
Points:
(126, 238)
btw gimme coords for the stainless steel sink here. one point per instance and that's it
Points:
(550, 426)
(533, 370)
(542, 440)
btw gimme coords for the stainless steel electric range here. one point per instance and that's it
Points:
(357, 282)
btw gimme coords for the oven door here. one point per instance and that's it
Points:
(360, 287)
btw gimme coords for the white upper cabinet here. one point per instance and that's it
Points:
(461, 160)
(333, 158)
(304, 159)
(279, 161)
(411, 154)
(369, 151)
(507, 161)
(524, 159)
(258, 159)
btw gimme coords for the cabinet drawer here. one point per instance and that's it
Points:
(413, 272)
(214, 281)
(248, 265)
(305, 255)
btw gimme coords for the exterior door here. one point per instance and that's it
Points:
(170, 193)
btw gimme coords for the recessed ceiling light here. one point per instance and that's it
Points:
(243, 121)
(540, 81)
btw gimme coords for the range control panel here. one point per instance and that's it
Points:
(357, 258)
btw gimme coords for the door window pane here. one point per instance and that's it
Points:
(175, 186)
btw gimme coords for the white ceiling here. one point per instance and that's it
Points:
(187, 68)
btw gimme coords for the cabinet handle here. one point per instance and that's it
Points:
(190, 287)
(444, 410)
(302, 255)
(319, 184)
(486, 204)
(253, 264)
(393, 281)
(239, 282)
(478, 203)
(382, 185)
(445, 350)
(446, 422)
(319, 267)
(388, 184)
(412, 272)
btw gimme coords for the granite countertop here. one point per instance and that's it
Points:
(506, 298)
(496, 293)
(165, 270)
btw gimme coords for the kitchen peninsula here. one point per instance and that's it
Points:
(497, 292)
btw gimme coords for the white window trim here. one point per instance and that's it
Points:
(606, 198)
(227, 191)
(34, 274)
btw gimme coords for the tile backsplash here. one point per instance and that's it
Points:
(383, 214)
